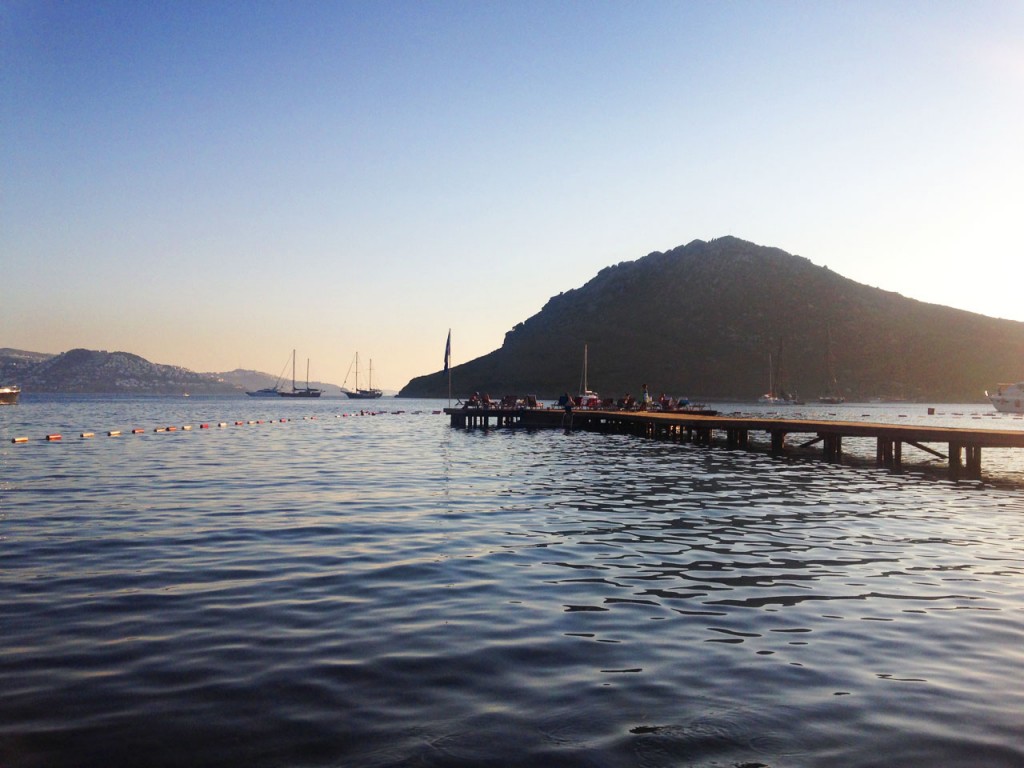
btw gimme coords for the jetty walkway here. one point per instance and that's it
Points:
(962, 447)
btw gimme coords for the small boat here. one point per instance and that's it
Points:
(699, 409)
(265, 392)
(360, 394)
(275, 391)
(9, 394)
(1008, 398)
(306, 391)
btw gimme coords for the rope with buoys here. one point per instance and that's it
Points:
(55, 437)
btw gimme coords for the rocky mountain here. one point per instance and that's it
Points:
(721, 319)
(89, 371)
(101, 372)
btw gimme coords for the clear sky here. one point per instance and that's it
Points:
(212, 184)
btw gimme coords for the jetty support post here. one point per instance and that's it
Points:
(833, 444)
(778, 441)
(957, 468)
(955, 461)
(974, 462)
(884, 450)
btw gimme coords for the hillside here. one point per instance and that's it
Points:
(100, 372)
(703, 320)
(248, 380)
(90, 371)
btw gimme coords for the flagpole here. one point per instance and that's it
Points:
(448, 365)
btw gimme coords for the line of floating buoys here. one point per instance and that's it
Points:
(55, 437)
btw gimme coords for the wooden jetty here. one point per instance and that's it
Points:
(962, 446)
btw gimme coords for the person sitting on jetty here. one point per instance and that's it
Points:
(565, 402)
(474, 401)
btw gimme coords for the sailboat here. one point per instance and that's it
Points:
(588, 398)
(360, 394)
(275, 390)
(771, 397)
(306, 391)
(832, 396)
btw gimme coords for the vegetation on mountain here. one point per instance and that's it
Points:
(101, 372)
(91, 371)
(706, 320)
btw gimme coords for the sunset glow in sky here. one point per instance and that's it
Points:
(212, 184)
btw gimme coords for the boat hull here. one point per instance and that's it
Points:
(1009, 398)
(364, 394)
(301, 393)
(268, 392)
(9, 395)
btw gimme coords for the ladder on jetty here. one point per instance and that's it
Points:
(963, 446)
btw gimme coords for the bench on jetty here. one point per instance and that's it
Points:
(962, 452)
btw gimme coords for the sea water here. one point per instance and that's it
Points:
(375, 588)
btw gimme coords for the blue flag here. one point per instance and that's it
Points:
(448, 352)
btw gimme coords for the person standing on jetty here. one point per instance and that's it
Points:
(565, 401)
(646, 397)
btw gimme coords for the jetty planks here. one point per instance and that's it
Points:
(962, 446)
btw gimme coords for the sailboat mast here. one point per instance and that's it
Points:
(583, 378)
(293, 369)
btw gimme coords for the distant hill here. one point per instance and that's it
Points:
(90, 371)
(248, 381)
(101, 372)
(14, 362)
(703, 320)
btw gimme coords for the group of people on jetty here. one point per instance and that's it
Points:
(568, 402)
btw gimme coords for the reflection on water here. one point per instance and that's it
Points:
(383, 590)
